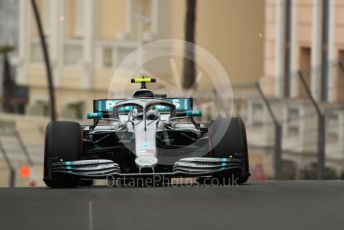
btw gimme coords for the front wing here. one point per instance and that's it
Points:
(185, 167)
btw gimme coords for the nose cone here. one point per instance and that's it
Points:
(146, 161)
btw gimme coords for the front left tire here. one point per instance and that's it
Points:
(63, 140)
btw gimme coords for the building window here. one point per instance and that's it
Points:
(324, 49)
(340, 77)
(332, 122)
(40, 107)
(293, 116)
(107, 57)
(305, 60)
(75, 109)
(79, 18)
(46, 16)
(72, 53)
(36, 52)
(257, 114)
(287, 46)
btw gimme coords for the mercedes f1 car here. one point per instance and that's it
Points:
(145, 136)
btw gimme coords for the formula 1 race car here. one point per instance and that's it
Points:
(146, 136)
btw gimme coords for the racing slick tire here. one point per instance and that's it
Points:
(63, 140)
(233, 141)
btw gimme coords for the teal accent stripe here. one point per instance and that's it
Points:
(100, 105)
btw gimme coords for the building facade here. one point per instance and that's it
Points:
(87, 39)
(302, 36)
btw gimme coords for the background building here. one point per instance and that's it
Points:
(87, 39)
(305, 36)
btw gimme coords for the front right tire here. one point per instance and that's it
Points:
(232, 141)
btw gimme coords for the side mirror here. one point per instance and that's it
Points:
(95, 115)
(193, 113)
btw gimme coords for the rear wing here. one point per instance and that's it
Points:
(105, 106)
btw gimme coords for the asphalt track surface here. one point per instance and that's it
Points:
(266, 205)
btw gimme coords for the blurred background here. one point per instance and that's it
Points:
(284, 59)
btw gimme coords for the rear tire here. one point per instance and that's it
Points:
(233, 141)
(63, 140)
